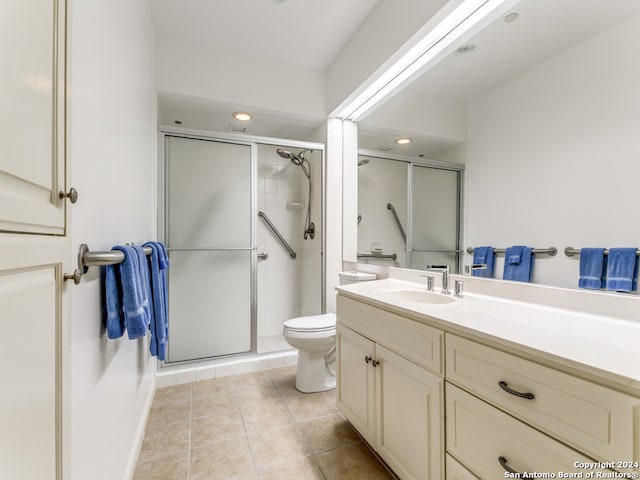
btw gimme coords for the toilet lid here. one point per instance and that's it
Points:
(313, 323)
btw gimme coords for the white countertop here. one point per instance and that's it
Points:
(600, 345)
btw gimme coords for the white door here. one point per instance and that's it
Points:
(32, 263)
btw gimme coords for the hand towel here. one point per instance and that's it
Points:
(113, 301)
(484, 255)
(592, 272)
(622, 269)
(518, 263)
(159, 318)
(134, 287)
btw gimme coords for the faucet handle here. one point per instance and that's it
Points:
(469, 269)
(429, 282)
(458, 288)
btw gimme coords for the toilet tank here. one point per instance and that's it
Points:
(353, 277)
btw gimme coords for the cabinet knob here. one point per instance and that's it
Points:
(367, 359)
(375, 363)
(71, 195)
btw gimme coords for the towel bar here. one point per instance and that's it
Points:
(87, 258)
(551, 251)
(570, 251)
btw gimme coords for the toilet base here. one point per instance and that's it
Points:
(315, 371)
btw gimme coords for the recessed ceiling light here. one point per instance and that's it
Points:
(403, 141)
(466, 48)
(512, 17)
(242, 116)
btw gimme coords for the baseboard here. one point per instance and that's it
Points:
(142, 425)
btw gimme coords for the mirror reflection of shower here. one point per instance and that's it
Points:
(303, 163)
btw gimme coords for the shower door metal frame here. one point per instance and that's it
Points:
(163, 222)
(252, 141)
(410, 162)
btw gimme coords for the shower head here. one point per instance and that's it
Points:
(298, 160)
(285, 153)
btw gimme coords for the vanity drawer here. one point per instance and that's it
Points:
(413, 340)
(481, 436)
(455, 470)
(597, 420)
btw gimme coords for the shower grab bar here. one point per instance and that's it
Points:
(87, 258)
(395, 216)
(570, 251)
(551, 251)
(275, 231)
(392, 256)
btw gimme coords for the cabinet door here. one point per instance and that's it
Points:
(410, 417)
(355, 381)
(455, 470)
(32, 124)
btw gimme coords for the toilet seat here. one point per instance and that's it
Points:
(312, 324)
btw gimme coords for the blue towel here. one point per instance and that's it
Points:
(113, 301)
(622, 269)
(159, 318)
(127, 291)
(484, 255)
(592, 271)
(518, 264)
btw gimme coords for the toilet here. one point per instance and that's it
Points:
(315, 338)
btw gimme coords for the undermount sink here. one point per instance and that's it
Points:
(418, 296)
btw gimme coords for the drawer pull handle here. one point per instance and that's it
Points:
(503, 464)
(367, 359)
(375, 363)
(503, 386)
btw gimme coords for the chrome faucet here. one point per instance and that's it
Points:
(469, 269)
(445, 275)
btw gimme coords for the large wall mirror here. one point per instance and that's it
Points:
(541, 107)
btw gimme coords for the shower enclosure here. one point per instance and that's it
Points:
(232, 281)
(409, 212)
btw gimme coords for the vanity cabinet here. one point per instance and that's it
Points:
(559, 419)
(395, 403)
(504, 413)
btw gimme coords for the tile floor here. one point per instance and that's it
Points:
(254, 426)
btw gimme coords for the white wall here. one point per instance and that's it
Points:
(553, 155)
(112, 159)
(212, 73)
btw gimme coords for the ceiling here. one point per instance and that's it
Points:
(504, 50)
(201, 114)
(308, 33)
(305, 33)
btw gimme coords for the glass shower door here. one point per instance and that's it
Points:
(435, 218)
(209, 234)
